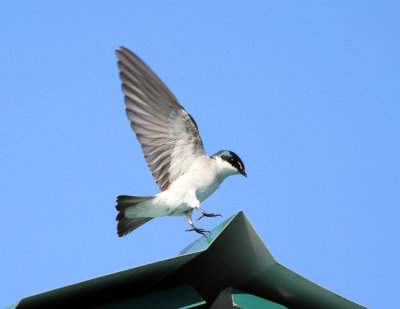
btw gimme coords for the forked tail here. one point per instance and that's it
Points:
(127, 225)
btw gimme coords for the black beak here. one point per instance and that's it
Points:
(243, 173)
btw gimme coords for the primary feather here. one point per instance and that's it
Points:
(167, 133)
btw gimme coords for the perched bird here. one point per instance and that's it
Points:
(173, 150)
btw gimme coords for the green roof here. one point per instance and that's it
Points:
(229, 268)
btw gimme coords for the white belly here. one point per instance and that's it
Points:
(202, 180)
(209, 188)
(196, 185)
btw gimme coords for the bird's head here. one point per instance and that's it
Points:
(230, 162)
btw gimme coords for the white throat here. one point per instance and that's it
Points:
(225, 169)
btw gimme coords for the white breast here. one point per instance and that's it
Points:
(203, 178)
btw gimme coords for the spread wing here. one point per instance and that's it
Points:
(168, 134)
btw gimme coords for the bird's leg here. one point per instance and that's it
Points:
(188, 219)
(196, 229)
(204, 214)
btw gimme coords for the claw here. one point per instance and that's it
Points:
(208, 215)
(200, 231)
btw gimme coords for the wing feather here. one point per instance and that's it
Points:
(130, 104)
(168, 135)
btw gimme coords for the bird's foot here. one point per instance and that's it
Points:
(200, 231)
(204, 214)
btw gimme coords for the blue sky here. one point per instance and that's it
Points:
(305, 92)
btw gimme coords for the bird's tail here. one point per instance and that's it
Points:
(127, 225)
